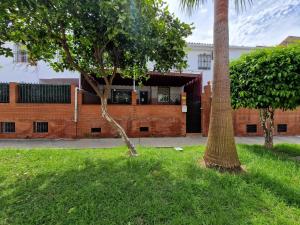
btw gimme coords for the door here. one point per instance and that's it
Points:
(143, 97)
(193, 102)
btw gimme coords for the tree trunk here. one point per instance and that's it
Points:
(103, 96)
(221, 150)
(267, 123)
(116, 125)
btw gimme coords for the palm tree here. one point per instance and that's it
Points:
(220, 150)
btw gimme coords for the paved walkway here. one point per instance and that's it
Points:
(147, 142)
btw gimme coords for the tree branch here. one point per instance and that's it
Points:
(89, 79)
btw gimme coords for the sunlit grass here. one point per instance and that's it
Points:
(161, 186)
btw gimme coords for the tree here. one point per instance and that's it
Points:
(99, 39)
(220, 150)
(267, 79)
(4, 24)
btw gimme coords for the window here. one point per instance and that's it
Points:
(281, 128)
(204, 61)
(251, 128)
(163, 94)
(144, 129)
(40, 127)
(121, 96)
(7, 127)
(96, 130)
(20, 54)
(4, 93)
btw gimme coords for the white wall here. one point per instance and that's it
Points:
(12, 72)
(195, 49)
(21, 72)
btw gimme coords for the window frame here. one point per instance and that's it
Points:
(248, 130)
(20, 55)
(3, 127)
(282, 128)
(168, 95)
(204, 61)
(121, 90)
(37, 130)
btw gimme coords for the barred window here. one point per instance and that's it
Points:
(121, 96)
(40, 127)
(20, 54)
(7, 127)
(204, 61)
(163, 94)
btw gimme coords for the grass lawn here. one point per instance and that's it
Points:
(161, 186)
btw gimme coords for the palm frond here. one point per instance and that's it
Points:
(192, 5)
(241, 5)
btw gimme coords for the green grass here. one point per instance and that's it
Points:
(161, 186)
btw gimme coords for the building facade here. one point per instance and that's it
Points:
(16, 69)
(63, 111)
(36, 102)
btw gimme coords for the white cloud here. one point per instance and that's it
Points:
(267, 22)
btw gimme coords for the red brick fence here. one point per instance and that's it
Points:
(70, 120)
(246, 121)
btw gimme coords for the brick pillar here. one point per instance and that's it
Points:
(72, 94)
(13, 93)
(205, 106)
(133, 97)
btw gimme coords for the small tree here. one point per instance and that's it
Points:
(99, 39)
(267, 79)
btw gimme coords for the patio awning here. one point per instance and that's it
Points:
(156, 79)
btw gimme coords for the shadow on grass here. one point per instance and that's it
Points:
(283, 152)
(289, 149)
(137, 191)
(279, 182)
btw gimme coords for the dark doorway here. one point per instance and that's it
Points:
(193, 102)
(143, 97)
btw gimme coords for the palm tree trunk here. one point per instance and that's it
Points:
(221, 150)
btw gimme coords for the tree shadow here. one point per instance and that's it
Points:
(288, 194)
(282, 152)
(277, 183)
(132, 191)
(291, 150)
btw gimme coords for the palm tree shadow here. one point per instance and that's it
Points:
(291, 196)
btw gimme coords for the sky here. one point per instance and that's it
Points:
(265, 23)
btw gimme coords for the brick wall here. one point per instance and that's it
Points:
(244, 117)
(160, 120)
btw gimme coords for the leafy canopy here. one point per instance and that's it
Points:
(267, 78)
(97, 37)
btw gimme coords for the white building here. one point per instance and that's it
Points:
(200, 59)
(16, 69)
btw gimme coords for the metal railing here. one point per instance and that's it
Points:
(173, 99)
(4, 93)
(44, 93)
